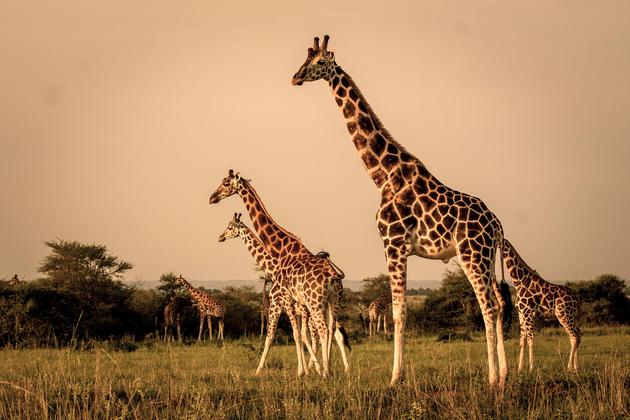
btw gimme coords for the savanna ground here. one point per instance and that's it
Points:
(443, 380)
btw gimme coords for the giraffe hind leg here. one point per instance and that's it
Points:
(479, 270)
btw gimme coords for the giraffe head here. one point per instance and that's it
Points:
(181, 280)
(319, 64)
(228, 187)
(234, 228)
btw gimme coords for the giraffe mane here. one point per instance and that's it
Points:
(521, 261)
(375, 119)
(264, 209)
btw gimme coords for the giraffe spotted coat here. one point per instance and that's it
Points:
(536, 297)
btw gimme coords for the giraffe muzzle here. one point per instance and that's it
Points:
(214, 198)
(297, 80)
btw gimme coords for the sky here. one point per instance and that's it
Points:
(118, 119)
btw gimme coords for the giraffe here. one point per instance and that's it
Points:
(173, 317)
(306, 275)
(208, 308)
(418, 214)
(280, 297)
(264, 307)
(535, 297)
(378, 310)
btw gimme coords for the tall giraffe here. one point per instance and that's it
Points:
(418, 214)
(378, 310)
(306, 275)
(535, 297)
(173, 317)
(208, 307)
(264, 307)
(280, 296)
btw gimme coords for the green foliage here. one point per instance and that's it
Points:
(168, 286)
(604, 300)
(373, 287)
(454, 304)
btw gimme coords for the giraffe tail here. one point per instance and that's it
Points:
(344, 334)
(504, 288)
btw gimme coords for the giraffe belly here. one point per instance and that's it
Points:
(432, 250)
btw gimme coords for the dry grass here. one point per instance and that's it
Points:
(445, 380)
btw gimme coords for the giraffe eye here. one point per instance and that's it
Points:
(321, 62)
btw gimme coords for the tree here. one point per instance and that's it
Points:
(168, 285)
(92, 275)
(89, 270)
(454, 304)
(373, 287)
(604, 300)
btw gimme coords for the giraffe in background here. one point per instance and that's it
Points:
(418, 214)
(536, 297)
(173, 317)
(208, 308)
(306, 275)
(378, 310)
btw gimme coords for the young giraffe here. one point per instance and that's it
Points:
(535, 296)
(280, 297)
(307, 276)
(173, 317)
(264, 307)
(378, 310)
(208, 308)
(418, 214)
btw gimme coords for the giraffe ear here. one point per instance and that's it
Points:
(238, 176)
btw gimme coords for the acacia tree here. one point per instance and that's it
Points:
(373, 287)
(86, 269)
(93, 275)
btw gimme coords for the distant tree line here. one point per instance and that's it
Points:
(81, 297)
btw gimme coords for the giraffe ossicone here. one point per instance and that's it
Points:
(418, 214)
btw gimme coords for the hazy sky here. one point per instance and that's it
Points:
(119, 118)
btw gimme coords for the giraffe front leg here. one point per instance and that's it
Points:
(317, 315)
(201, 322)
(530, 346)
(295, 326)
(521, 355)
(179, 332)
(272, 323)
(209, 318)
(397, 267)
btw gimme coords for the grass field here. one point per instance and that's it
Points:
(446, 380)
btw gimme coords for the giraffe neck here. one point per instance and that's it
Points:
(520, 273)
(255, 247)
(384, 159)
(194, 293)
(274, 237)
